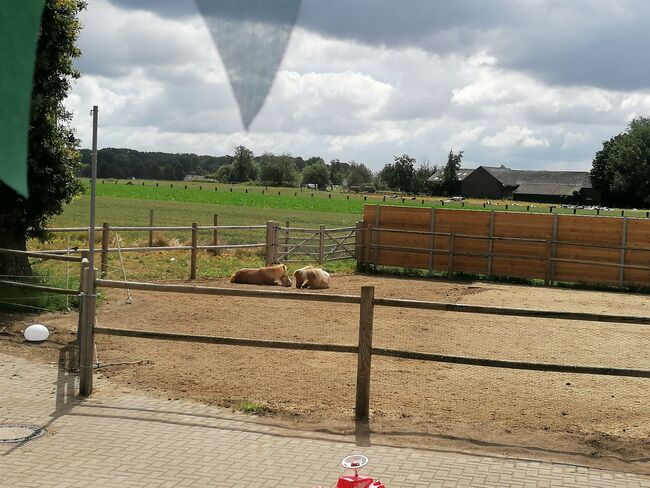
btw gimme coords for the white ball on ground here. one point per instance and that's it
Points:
(36, 333)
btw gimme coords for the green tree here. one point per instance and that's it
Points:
(314, 160)
(278, 170)
(385, 177)
(359, 175)
(621, 169)
(450, 183)
(338, 171)
(317, 174)
(53, 157)
(421, 178)
(399, 174)
(243, 165)
(223, 173)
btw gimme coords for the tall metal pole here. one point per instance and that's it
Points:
(93, 184)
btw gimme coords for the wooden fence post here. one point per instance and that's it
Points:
(276, 241)
(358, 244)
(150, 225)
(106, 233)
(287, 224)
(432, 239)
(554, 239)
(271, 242)
(621, 279)
(362, 408)
(547, 268)
(194, 250)
(490, 244)
(450, 265)
(87, 340)
(82, 267)
(321, 244)
(215, 235)
(375, 237)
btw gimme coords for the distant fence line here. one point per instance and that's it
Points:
(578, 249)
(392, 196)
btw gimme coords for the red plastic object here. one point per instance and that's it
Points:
(355, 462)
(358, 481)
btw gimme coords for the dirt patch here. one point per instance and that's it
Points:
(588, 419)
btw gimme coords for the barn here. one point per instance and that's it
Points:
(571, 187)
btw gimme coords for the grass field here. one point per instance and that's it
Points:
(321, 201)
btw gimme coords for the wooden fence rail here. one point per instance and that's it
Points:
(44, 256)
(40, 254)
(364, 348)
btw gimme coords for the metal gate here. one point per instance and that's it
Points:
(296, 244)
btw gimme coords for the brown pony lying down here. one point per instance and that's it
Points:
(268, 275)
(310, 277)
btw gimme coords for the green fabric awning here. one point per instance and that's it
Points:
(19, 26)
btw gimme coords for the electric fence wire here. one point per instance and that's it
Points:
(25, 306)
(67, 274)
(129, 298)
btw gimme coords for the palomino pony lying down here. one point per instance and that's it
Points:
(310, 277)
(268, 275)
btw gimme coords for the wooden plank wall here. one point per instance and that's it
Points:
(544, 246)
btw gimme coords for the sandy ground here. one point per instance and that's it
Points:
(588, 419)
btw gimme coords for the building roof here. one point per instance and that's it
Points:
(547, 189)
(544, 180)
(519, 177)
(462, 173)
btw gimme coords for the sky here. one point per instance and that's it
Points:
(530, 84)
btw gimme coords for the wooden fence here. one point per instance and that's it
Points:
(281, 244)
(364, 349)
(193, 248)
(568, 248)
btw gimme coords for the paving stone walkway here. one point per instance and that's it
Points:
(122, 439)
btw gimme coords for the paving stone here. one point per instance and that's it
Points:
(132, 440)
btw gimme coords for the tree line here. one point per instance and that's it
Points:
(621, 169)
(403, 174)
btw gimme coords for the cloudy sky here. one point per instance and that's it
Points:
(524, 83)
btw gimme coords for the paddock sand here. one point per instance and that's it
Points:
(586, 419)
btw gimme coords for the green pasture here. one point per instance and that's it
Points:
(286, 199)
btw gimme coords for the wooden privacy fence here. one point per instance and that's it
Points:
(569, 248)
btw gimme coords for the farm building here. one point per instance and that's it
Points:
(532, 186)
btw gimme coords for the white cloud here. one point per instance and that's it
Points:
(463, 138)
(572, 139)
(515, 135)
(347, 88)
